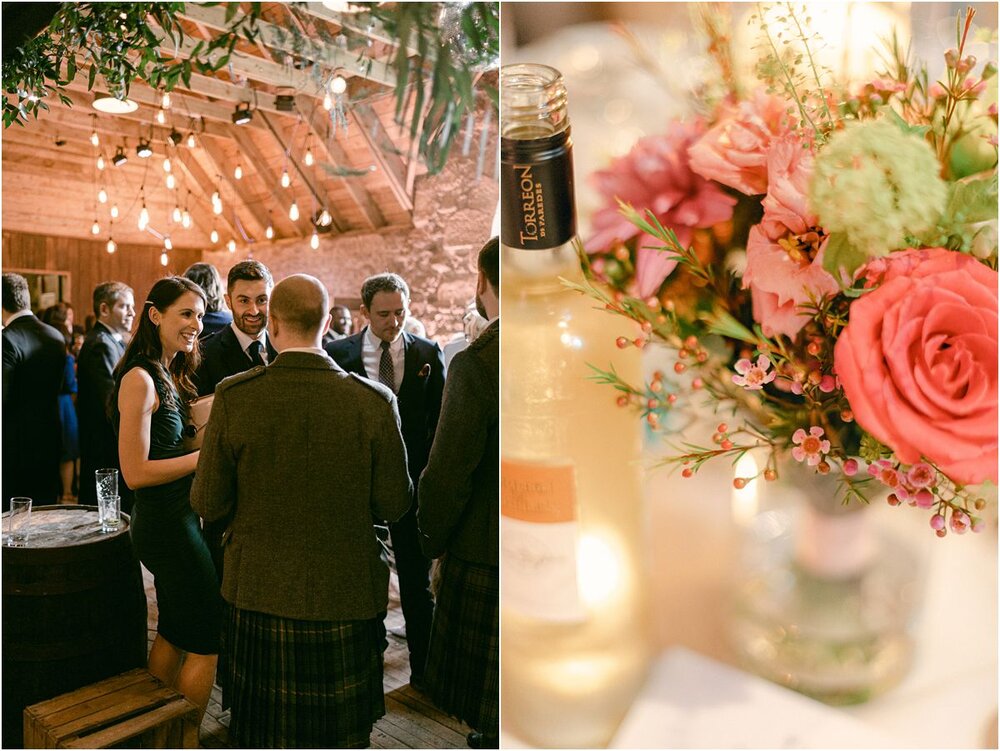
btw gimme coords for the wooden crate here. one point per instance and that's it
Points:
(131, 710)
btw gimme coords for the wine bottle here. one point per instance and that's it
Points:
(574, 624)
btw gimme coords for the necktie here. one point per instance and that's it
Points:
(254, 351)
(386, 374)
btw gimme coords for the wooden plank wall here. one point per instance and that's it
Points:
(89, 263)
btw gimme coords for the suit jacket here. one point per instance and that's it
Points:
(34, 356)
(213, 322)
(221, 357)
(99, 355)
(459, 503)
(301, 543)
(419, 395)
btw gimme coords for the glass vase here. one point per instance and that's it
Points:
(823, 601)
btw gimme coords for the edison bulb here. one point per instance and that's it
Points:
(176, 214)
(186, 219)
(164, 260)
(166, 243)
(293, 212)
(285, 179)
(325, 219)
(95, 229)
(114, 211)
(314, 241)
(94, 139)
(100, 162)
(191, 142)
(143, 217)
(166, 164)
(111, 246)
(269, 232)
(166, 100)
(217, 207)
(102, 195)
(231, 245)
(171, 182)
(309, 158)
(238, 172)
(327, 102)
(214, 237)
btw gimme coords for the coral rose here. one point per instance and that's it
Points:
(918, 362)
(655, 175)
(734, 151)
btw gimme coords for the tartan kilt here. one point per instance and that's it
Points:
(302, 684)
(463, 664)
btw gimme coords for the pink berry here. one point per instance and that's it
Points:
(924, 498)
(937, 522)
(622, 342)
(851, 467)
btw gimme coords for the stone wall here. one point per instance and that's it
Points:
(452, 218)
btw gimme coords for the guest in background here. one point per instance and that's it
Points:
(459, 516)
(340, 324)
(34, 356)
(60, 316)
(88, 323)
(413, 368)
(78, 337)
(473, 325)
(103, 347)
(217, 317)
(303, 574)
(244, 343)
(152, 385)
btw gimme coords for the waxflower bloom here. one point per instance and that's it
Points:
(885, 472)
(921, 475)
(877, 185)
(810, 447)
(753, 376)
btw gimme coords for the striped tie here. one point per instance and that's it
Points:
(386, 374)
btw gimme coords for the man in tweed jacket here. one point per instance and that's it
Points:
(304, 572)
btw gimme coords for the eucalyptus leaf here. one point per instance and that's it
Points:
(972, 199)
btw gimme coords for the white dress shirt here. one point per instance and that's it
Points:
(246, 340)
(371, 355)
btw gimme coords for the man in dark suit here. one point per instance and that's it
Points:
(103, 347)
(34, 356)
(413, 368)
(304, 572)
(459, 523)
(244, 343)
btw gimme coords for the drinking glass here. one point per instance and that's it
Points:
(15, 522)
(107, 483)
(109, 512)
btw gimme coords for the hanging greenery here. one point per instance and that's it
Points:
(115, 44)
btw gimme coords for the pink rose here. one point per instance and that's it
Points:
(918, 362)
(655, 176)
(734, 151)
(784, 253)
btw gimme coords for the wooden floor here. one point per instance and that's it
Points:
(411, 720)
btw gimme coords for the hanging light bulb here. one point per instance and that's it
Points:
(143, 217)
(164, 259)
(160, 117)
(309, 158)
(102, 195)
(165, 102)
(216, 198)
(238, 172)
(166, 164)
(94, 138)
(217, 208)
(231, 245)
(176, 215)
(293, 212)
(186, 219)
(191, 143)
(171, 181)
(314, 240)
(269, 232)
(338, 85)
(167, 245)
(95, 229)
(114, 211)
(111, 246)
(285, 179)
(327, 102)
(100, 161)
(214, 236)
(325, 220)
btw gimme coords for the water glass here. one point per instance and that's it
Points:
(15, 523)
(107, 483)
(109, 513)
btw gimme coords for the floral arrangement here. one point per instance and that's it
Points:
(823, 260)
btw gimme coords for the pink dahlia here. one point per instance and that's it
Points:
(655, 175)
(734, 151)
(784, 252)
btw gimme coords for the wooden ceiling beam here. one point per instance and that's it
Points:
(345, 21)
(317, 118)
(250, 202)
(392, 165)
(197, 175)
(282, 196)
(317, 190)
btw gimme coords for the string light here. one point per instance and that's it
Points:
(327, 102)
(161, 118)
(176, 216)
(338, 85)
(171, 181)
(166, 164)
(186, 219)
(102, 195)
(114, 211)
(214, 236)
(293, 212)
(167, 245)
(100, 161)
(143, 216)
(285, 179)
(191, 143)
(309, 157)
(238, 172)
(95, 228)
(325, 220)
(269, 232)
(165, 102)
(93, 133)
(231, 245)
(111, 246)
(314, 240)
(164, 259)
(217, 207)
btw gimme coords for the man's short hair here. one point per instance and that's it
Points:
(15, 293)
(489, 261)
(110, 293)
(248, 271)
(382, 283)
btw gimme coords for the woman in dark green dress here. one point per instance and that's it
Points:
(153, 384)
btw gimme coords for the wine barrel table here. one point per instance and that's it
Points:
(74, 610)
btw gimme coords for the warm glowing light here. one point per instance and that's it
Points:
(165, 103)
(166, 164)
(191, 143)
(309, 158)
(238, 172)
(744, 500)
(325, 220)
(164, 259)
(214, 237)
(186, 219)
(111, 246)
(216, 198)
(293, 211)
(171, 181)
(599, 561)
(100, 162)
(314, 241)
(285, 179)
(176, 214)
(160, 117)
(94, 139)
(231, 245)
(102, 195)
(95, 228)
(167, 245)
(269, 232)
(327, 102)
(143, 218)
(217, 208)
(114, 211)
(338, 85)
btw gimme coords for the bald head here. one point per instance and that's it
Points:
(299, 309)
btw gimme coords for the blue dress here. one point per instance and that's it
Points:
(67, 414)
(167, 537)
